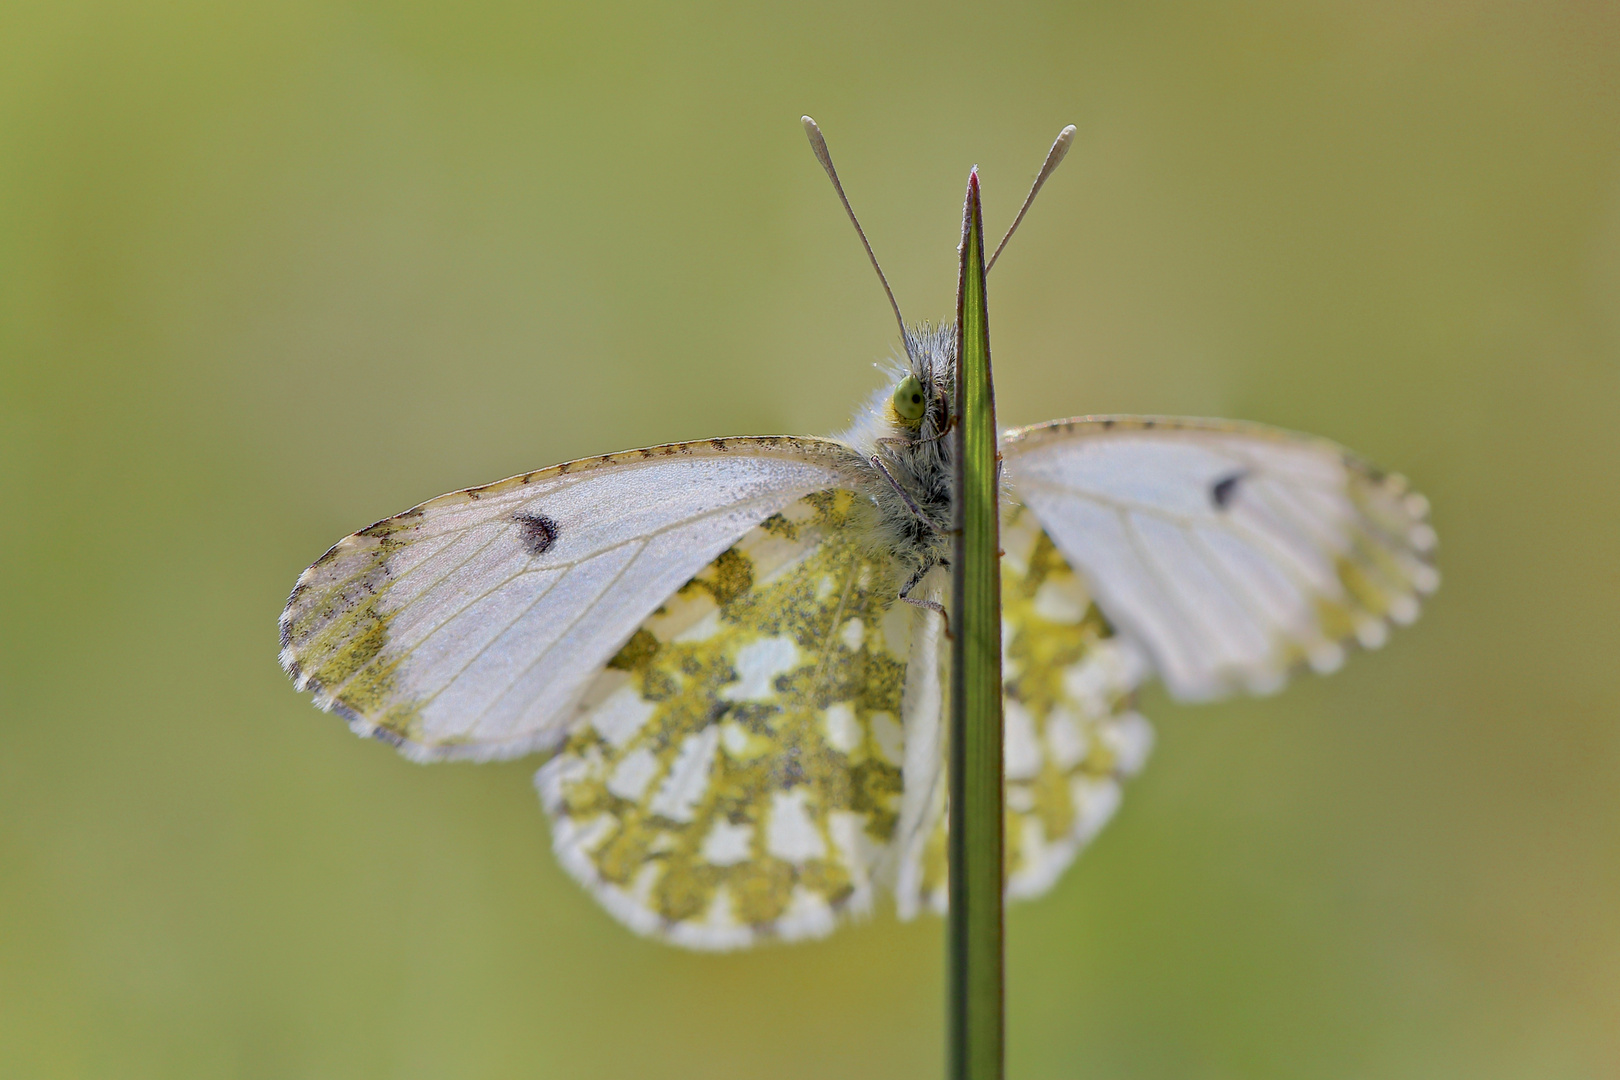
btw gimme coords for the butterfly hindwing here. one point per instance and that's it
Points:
(736, 771)
(1232, 552)
(469, 626)
(1071, 733)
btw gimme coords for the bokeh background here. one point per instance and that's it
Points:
(272, 270)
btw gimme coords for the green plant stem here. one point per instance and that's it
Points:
(976, 1018)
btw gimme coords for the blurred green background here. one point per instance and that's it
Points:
(270, 271)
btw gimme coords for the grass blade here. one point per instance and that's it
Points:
(976, 1018)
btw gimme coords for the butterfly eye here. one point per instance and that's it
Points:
(908, 399)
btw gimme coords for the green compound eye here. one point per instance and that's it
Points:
(908, 399)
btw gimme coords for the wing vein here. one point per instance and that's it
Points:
(1156, 573)
(829, 640)
(482, 649)
(546, 651)
(1242, 595)
(388, 588)
(565, 567)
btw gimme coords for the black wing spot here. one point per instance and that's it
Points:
(539, 532)
(1224, 490)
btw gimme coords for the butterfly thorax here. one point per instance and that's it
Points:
(910, 475)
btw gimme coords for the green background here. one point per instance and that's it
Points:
(272, 270)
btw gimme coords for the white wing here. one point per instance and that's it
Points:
(469, 626)
(1232, 552)
(919, 838)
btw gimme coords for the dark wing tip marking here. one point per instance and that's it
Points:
(388, 738)
(539, 532)
(1224, 490)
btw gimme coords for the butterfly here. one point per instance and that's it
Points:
(734, 654)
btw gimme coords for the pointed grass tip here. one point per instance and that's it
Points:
(967, 208)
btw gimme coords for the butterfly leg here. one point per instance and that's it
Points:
(932, 605)
(911, 504)
(944, 430)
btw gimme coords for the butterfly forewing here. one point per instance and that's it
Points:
(1232, 552)
(736, 774)
(470, 625)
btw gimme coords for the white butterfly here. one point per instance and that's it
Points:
(744, 721)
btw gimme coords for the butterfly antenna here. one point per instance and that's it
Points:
(819, 146)
(1054, 157)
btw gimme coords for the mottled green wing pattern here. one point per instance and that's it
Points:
(736, 771)
(1071, 733)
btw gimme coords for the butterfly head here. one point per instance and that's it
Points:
(919, 407)
(907, 420)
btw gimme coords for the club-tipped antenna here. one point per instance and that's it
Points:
(819, 146)
(1054, 157)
